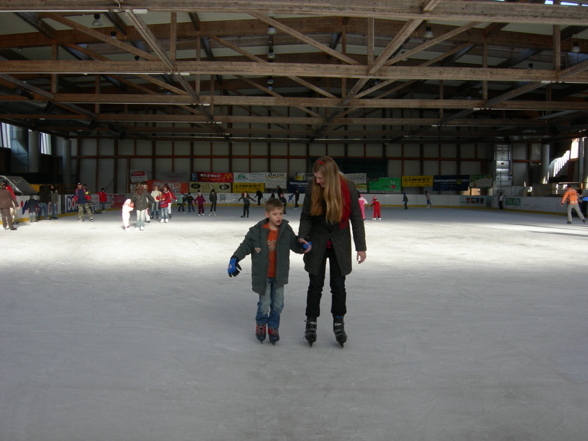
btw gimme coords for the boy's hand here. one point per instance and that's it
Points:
(233, 268)
(307, 246)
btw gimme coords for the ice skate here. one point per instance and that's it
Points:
(260, 331)
(310, 330)
(339, 330)
(274, 335)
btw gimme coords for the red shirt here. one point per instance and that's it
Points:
(272, 241)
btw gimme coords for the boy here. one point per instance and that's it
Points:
(33, 207)
(269, 242)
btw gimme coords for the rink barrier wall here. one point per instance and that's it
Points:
(531, 204)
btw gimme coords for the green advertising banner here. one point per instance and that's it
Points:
(385, 185)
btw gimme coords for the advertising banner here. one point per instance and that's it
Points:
(451, 183)
(481, 181)
(273, 180)
(297, 185)
(251, 188)
(417, 181)
(385, 185)
(206, 187)
(300, 176)
(252, 178)
(212, 177)
(176, 187)
(356, 178)
(138, 176)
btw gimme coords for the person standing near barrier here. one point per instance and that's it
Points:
(82, 198)
(44, 198)
(212, 197)
(102, 198)
(156, 195)
(7, 202)
(571, 197)
(54, 201)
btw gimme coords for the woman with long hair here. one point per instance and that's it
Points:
(330, 212)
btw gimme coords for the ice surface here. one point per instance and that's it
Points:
(463, 325)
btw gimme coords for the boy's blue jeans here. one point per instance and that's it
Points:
(271, 301)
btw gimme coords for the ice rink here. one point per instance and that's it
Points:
(463, 325)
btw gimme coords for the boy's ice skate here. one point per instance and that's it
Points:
(260, 332)
(310, 331)
(274, 335)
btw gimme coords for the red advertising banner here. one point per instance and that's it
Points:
(138, 176)
(215, 177)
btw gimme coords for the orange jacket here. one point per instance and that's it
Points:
(572, 195)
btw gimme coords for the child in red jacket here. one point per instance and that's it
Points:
(376, 207)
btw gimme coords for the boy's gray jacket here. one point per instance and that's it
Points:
(256, 237)
(316, 230)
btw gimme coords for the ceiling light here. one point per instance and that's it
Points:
(96, 21)
(112, 34)
(271, 31)
(270, 81)
(576, 47)
(271, 55)
(270, 87)
(428, 33)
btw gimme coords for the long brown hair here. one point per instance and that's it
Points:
(327, 200)
(139, 189)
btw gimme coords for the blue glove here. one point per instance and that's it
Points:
(306, 246)
(233, 268)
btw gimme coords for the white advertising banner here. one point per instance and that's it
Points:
(252, 178)
(273, 180)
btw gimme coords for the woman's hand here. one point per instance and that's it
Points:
(361, 256)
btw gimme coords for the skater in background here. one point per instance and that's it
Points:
(376, 206)
(296, 198)
(269, 242)
(172, 198)
(44, 198)
(212, 197)
(183, 202)
(282, 199)
(54, 201)
(82, 198)
(329, 210)
(259, 196)
(156, 195)
(362, 201)
(501, 201)
(428, 196)
(405, 201)
(15, 206)
(141, 199)
(164, 203)
(190, 202)
(126, 214)
(7, 203)
(33, 207)
(571, 197)
(200, 201)
(102, 198)
(246, 202)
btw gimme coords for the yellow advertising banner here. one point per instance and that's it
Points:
(251, 188)
(417, 181)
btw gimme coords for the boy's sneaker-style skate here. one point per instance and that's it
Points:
(310, 330)
(339, 330)
(274, 335)
(260, 331)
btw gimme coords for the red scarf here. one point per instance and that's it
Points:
(346, 212)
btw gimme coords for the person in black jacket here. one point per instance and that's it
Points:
(269, 242)
(141, 199)
(246, 202)
(329, 211)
